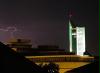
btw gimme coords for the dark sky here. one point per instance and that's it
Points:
(45, 22)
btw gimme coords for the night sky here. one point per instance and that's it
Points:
(45, 22)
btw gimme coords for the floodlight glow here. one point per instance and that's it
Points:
(70, 36)
(80, 31)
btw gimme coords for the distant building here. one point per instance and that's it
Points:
(24, 46)
(48, 47)
(20, 45)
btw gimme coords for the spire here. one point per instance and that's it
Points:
(70, 36)
(70, 33)
(70, 15)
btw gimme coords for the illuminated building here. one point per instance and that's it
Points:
(45, 54)
(77, 39)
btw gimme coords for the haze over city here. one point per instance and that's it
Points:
(45, 22)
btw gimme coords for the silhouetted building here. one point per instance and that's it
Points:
(24, 47)
(48, 47)
(20, 45)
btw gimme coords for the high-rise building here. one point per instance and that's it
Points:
(76, 39)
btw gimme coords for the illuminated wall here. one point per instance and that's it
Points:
(80, 40)
(77, 40)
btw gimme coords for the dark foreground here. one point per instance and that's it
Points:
(90, 68)
(13, 62)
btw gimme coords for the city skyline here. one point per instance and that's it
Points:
(46, 22)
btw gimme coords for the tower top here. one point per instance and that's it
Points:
(70, 15)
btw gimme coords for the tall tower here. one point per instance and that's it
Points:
(70, 37)
(80, 40)
(76, 39)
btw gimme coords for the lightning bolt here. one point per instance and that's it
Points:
(10, 29)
